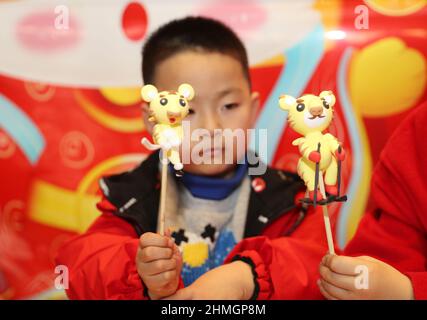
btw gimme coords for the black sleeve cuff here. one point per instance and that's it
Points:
(254, 274)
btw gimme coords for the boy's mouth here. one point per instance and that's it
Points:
(213, 151)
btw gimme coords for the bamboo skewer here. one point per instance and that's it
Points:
(163, 184)
(326, 219)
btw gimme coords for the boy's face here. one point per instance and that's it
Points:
(223, 100)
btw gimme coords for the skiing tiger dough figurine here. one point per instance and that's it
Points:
(309, 116)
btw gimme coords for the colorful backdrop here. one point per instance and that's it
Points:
(70, 104)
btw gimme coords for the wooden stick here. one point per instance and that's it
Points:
(326, 219)
(163, 183)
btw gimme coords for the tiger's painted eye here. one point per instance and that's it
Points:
(300, 107)
(163, 101)
(326, 104)
(182, 102)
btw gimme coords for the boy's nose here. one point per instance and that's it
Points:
(210, 123)
(316, 111)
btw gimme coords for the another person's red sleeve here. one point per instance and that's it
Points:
(286, 267)
(101, 262)
(396, 232)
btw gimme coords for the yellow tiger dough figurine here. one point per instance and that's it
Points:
(167, 110)
(310, 115)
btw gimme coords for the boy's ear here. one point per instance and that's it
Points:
(186, 91)
(286, 102)
(255, 107)
(146, 117)
(328, 96)
(149, 93)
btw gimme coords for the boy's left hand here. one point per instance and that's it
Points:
(232, 281)
(351, 278)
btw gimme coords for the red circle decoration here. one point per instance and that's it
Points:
(7, 147)
(134, 21)
(258, 184)
(76, 150)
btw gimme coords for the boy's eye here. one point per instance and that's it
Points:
(325, 104)
(182, 102)
(300, 107)
(163, 101)
(190, 111)
(230, 106)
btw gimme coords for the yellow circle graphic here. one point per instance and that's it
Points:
(386, 77)
(396, 7)
(122, 96)
(108, 120)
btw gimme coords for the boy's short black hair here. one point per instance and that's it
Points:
(191, 33)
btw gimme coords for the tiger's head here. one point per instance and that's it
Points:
(309, 113)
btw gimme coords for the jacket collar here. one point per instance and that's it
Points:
(136, 196)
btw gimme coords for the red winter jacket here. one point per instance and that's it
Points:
(396, 232)
(285, 242)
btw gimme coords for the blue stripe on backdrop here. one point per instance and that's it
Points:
(22, 129)
(301, 61)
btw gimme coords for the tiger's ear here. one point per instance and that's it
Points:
(329, 97)
(149, 93)
(186, 91)
(286, 102)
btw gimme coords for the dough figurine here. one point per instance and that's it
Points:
(310, 115)
(167, 110)
(321, 153)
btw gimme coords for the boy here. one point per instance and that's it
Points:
(396, 232)
(211, 208)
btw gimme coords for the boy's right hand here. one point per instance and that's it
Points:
(159, 264)
(351, 278)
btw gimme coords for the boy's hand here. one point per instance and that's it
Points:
(232, 281)
(363, 277)
(159, 264)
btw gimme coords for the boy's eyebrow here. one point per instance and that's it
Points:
(224, 92)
